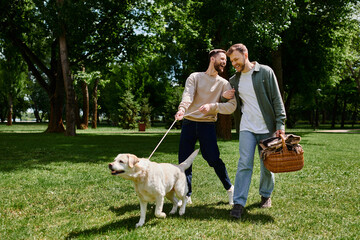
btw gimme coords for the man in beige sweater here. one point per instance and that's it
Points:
(201, 102)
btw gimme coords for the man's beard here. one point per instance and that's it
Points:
(218, 67)
(242, 67)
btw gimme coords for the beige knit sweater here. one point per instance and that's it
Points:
(200, 89)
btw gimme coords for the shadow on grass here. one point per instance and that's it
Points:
(124, 209)
(200, 212)
(260, 217)
(30, 150)
(211, 211)
(128, 223)
(204, 212)
(36, 150)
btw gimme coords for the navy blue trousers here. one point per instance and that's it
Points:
(205, 132)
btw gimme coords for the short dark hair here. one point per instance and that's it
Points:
(215, 52)
(241, 48)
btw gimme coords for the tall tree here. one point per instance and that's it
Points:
(313, 52)
(95, 103)
(21, 26)
(85, 94)
(90, 80)
(12, 81)
(100, 33)
(352, 52)
(65, 66)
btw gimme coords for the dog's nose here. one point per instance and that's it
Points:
(110, 166)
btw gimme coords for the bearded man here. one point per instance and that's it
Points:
(201, 102)
(262, 116)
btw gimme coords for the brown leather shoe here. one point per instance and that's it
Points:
(265, 202)
(236, 211)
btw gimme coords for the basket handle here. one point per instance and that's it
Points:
(285, 150)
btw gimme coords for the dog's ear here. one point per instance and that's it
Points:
(132, 160)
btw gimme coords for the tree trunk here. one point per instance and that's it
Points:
(69, 86)
(223, 127)
(323, 117)
(37, 115)
(56, 93)
(311, 117)
(77, 112)
(354, 116)
(343, 114)
(224, 124)
(2, 116)
(95, 98)
(56, 110)
(55, 90)
(85, 93)
(333, 120)
(10, 112)
(316, 113)
(55, 86)
(56, 96)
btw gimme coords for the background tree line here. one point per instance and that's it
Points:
(75, 60)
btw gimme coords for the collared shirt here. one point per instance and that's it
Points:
(252, 119)
(268, 95)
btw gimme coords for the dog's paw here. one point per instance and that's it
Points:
(181, 211)
(139, 224)
(161, 215)
(173, 211)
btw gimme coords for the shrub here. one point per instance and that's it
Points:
(128, 111)
(145, 111)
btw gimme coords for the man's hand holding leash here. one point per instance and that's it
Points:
(179, 115)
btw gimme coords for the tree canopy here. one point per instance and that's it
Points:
(147, 49)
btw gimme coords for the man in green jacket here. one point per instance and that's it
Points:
(262, 115)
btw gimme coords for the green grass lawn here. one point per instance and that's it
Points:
(57, 187)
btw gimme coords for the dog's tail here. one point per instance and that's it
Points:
(187, 163)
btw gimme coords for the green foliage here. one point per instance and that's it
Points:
(148, 47)
(145, 111)
(195, 27)
(96, 34)
(127, 111)
(88, 77)
(92, 79)
(171, 105)
(13, 79)
(315, 49)
(147, 78)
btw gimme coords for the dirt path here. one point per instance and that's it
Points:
(340, 131)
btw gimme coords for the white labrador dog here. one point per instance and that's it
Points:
(154, 181)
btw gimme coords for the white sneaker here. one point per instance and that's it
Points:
(188, 201)
(230, 193)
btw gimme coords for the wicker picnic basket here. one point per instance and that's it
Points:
(284, 160)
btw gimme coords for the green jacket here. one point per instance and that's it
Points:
(268, 95)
